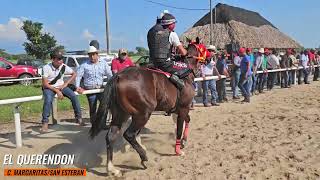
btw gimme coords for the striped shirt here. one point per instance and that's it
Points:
(92, 74)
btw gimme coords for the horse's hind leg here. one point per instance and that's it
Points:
(130, 135)
(110, 138)
(118, 117)
(138, 137)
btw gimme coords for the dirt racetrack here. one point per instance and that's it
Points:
(277, 136)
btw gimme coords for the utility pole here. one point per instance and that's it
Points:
(210, 23)
(107, 25)
(215, 14)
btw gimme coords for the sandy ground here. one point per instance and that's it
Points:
(277, 136)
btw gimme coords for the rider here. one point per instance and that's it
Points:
(161, 42)
(157, 26)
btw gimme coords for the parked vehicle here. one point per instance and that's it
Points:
(75, 60)
(9, 70)
(37, 63)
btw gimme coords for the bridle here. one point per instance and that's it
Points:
(200, 58)
(202, 53)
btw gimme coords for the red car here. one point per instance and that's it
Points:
(9, 70)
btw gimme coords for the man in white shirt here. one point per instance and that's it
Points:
(304, 62)
(53, 83)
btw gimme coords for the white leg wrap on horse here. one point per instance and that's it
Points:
(113, 170)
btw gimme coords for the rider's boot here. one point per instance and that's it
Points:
(177, 81)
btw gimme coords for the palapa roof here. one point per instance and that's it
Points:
(239, 26)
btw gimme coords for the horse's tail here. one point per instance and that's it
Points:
(109, 97)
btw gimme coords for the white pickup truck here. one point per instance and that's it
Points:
(74, 60)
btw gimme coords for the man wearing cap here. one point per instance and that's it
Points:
(92, 72)
(312, 59)
(253, 80)
(273, 63)
(245, 76)
(222, 68)
(209, 69)
(285, 64)
(53, 83)
(161, 42)
(316, 69)
(304, 62)
(123, 61)
(235, 75)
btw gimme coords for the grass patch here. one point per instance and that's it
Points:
(30, 109)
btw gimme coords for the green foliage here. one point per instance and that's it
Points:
(131, 53)
(4, 54)
(13, 57)
(142, 51)
(39, 44)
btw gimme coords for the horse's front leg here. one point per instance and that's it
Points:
(185, 132)
(182, 116)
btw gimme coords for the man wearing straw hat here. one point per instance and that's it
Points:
(261, 65)
(92, 72)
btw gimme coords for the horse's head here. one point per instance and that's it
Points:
(197, 54)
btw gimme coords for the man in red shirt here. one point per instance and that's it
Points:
(123, 61)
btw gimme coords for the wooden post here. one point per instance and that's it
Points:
(54, 111)
(17, 124)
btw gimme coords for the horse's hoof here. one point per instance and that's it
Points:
(180, 153)
(144, 164)
(111, 170)
(115, 173)
(183, 143)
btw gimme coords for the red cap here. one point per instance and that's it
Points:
(289, 51)
(266, 50)
(242, 50)
(249, 50)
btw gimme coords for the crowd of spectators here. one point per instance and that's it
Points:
(249, 71)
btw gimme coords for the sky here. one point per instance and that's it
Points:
(75, 22)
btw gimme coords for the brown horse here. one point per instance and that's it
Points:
(137, 92)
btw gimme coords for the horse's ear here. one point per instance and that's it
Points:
(197, 40)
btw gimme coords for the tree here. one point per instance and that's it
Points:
(142, 51)
(39, 44)
(4, 54)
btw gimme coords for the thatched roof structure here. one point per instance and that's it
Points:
(241, 27)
